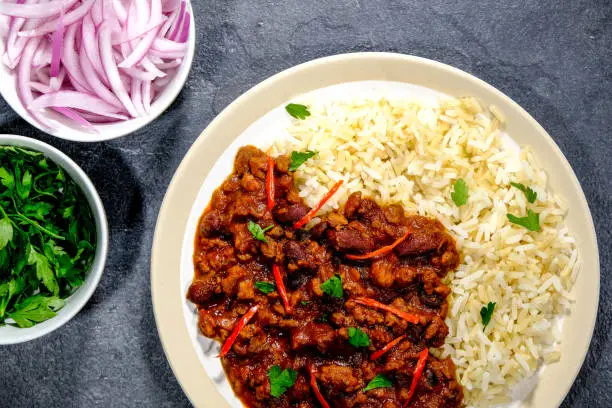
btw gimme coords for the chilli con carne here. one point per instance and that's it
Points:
(395, 299)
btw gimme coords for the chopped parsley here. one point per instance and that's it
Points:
(280, 380)
(531, 221)
(47, 237)
(265, 287)
(333, 287)
(529, 193)
(460, 193)
(357, 337)
(299, 158)
(304, 303)
(297, 111)
(257, 232)
(486, 313)
(380, 381)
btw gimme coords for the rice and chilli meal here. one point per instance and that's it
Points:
(387, 253)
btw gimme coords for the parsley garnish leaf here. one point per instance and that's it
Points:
(529, 193)
(460, 193)
(281, 380)
(6, 232)
(47, 236)
(299, 158)
(357, 337)
(486, 313)
(531, 221)
(265, 287)
(380, 381)
(258, 232)
(36, 309)
(333, 287)
(297, 111)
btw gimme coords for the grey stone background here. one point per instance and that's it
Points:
(553, 57)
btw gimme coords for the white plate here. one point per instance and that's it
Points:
(256, 118)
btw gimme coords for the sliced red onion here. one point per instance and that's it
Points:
(140, 50)
(67, 54)
(176, 29)
(88, 32)
(149, 66)
(56, 47)
(42, 10)
(96, 13)
(137, 96)
(72, 99)
(122, 37)
(172, 64)
(138, 74)
(165, 45)
(42, 56)
(96, 84)
(146, 96)
(23, 79)
(110, 66)
(70, 61)
(120, 11)
(169, 5)
(55, 83)
(40, 87)
(185, 29)
(72, 114)
(72, 16)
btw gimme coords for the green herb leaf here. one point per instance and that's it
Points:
(265, 287)
(38, 210)
(529, 193)
(43, 270)
(6, 232)
(280, 380)
(531, 221)
(299, 158)
(333, 287)
(36, 309)
(7, 179)
(297, 111)
(324, 318)
(257, 232)
(357, 337)
(25, 186)
(304, 303)
(380, 381)
(47, 236)
(486, 313)
(460, 193)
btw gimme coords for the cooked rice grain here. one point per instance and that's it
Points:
(410, 152)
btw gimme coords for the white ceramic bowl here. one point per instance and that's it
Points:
(65, 129)
(74, 303)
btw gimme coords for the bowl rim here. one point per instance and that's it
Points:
(96, 270)
(107, 131)
(182, 191)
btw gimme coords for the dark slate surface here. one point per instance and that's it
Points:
(552, 57)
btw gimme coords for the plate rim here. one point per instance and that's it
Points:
(178, 358)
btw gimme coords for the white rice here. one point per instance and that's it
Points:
(412, 152)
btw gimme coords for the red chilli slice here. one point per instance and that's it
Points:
(309, 216)
(417, 374)
(389, 346)
(270, 183)
(227, 346)
(280, 285)
(409, 317)
(381, 251)
(315, 388)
